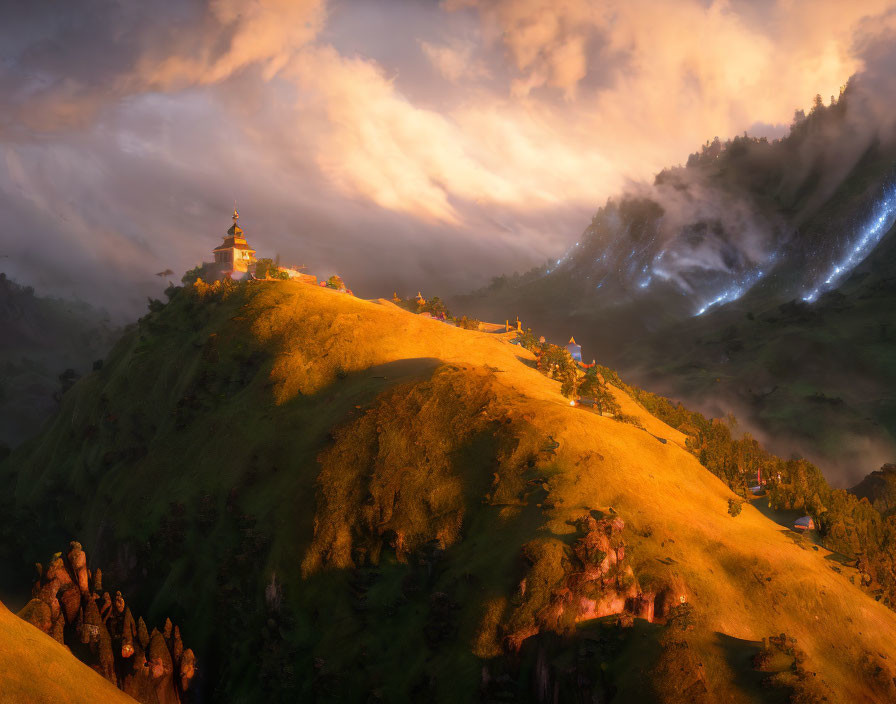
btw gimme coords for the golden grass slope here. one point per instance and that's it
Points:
(35, 669)
(747, 576)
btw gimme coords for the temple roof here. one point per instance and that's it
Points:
(235, 238)
(229, 244)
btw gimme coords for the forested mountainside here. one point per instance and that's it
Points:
(47, 343)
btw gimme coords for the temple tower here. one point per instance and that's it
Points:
(234, 258)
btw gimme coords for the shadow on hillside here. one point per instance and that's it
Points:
(531, 363)
(739, 655)
(785, 518)
(368, 383)
(841, 559)
(403, 368)
(349, 393)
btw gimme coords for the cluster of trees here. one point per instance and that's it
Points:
(845, 523)
(819, 117)
(265, 268)
(201, 271)
(269, 269)
(467, 323)
(436, 307)
(557, 363)
(595, 386)
(336, 282)
(516, 279)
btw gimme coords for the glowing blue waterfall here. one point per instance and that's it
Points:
(880, 223)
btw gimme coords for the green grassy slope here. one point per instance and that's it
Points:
(337, 498)
(35, 669)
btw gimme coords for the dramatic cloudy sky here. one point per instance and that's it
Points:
(403, 144)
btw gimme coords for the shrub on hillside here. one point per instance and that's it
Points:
(266, 268)
(734, 507)
(529, 342)
(595, 387)
(435, 307)
(556, 363)
(678, 675)
(627, 418)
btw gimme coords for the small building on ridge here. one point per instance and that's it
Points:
(574, 349)
(804, 523)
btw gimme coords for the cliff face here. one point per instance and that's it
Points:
(337, 498)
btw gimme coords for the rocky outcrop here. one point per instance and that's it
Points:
(588, 580)
(68, 603)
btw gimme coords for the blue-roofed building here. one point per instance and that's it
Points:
(804, 523)
(574, 349)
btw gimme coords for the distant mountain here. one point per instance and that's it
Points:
(814, 378)
(46, 344)
(758, 278)
(879, 488)
(337, 499)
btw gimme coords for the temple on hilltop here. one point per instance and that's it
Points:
(234, 258)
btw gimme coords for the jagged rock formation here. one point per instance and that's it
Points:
(69, 604)
(35, 669)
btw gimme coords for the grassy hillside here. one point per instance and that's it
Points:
(35, 669)
(387, 507)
